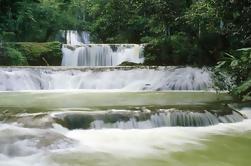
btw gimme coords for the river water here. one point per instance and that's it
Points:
(225, 144)
(126, 116)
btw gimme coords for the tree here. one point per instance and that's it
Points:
(39, 20)
(203, 17)
(236, 17)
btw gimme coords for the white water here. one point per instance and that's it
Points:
(26, 146)
(146, 142)
(170, 119)
(101, 54)
(129, 79)
(74, 37)
(146, 119)
(79, 52)
(246, 111)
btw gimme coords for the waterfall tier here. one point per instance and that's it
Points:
(132, 118)
(124, 78)
(145, 119)
(79, 52)
(101, 54)
(26, 138)
(74, 37)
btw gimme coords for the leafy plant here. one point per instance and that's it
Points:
(12, 56)
(238, 65)
(243, 91)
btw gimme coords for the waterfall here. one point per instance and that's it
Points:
(79, 52)
(144, 119)
(120, 78)
(74, 37)
(101, 54)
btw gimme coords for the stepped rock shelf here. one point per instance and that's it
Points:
(106, 86)
(173, 96)
(105, 78)
(63, 112)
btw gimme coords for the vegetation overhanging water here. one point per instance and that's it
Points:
(126, 112)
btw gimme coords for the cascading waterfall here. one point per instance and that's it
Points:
(55, 127)
(143, 119)
(74, 37)
(55, 145)
(79, 52)
(124, 78)
(104, 134)
(123, 116)
(101, 54)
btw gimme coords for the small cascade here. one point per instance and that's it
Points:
(20, 142)
(79, 52)
(74, 37)
(101, 54)
(120, 78)
(144, 119)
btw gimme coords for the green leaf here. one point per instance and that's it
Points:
(234, 63)
(244, 49)
(220, 64)
(229, 55)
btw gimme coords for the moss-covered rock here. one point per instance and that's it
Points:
(35, 54)
(39, 54)
(126, 63)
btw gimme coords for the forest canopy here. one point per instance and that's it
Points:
(127, 21)
(183, 32)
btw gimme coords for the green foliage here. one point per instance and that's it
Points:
(8, 36)
(177, 32)
(238, 64)
(177, 49)
(11, 56)
(39, 54)
(30, 53)
(131, 20)
(235, 15)
(202, 17)
(39, 20)
(182, 49)
(243, 91)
